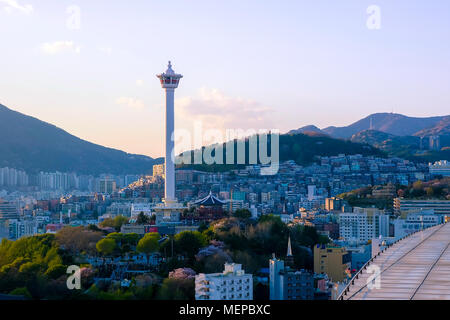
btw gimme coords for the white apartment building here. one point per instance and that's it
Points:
(416, 221)
(232, 284)
(439, 206)
(363, 224)
(440, 168)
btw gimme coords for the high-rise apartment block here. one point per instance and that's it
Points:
(363, 224)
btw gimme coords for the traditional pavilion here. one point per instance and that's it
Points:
(207, 209)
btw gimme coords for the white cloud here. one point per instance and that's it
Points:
(131, 103)
(12, 5)
(218, 111)
(57, 47)
(139, 83)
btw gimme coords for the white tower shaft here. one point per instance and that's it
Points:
(170, 152)
(169, 81)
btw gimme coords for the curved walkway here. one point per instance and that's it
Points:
(414, 268)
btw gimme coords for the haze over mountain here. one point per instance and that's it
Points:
(408, 147)
(441, 128)
(391, 123)
(395, 134)
(307, 130)
(33, 145)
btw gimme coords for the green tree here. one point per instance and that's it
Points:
(148, 244)
(418, 185)
(188, 243)
(56, 271)
(106, 246)
(24, 292)
(115, 223)
(242, 214)
(142, 219)
(177, 289)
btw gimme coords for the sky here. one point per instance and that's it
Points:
(89, 66)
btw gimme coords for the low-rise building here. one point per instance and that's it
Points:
(232, 284)
(332, 260)
(439, 206)
(416, 221)
(440, 168)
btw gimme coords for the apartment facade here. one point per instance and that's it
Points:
(363, 224)
(232, 284)
(439, 206)
(332, 260)
(288, 284)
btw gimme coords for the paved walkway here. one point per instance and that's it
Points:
(415, 268)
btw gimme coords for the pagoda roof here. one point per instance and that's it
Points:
(209, 200)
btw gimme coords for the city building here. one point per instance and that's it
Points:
(10, 177)
(8, 210)
(359, 255)
(415, 221)
(440, 168)
(387, 191)
(288, 284)
(138, 229)
(106, 185)
(334, 204)
(22, 228)
(158, 170)
(207, 209)
(435, 143)
(232, 284)
(363, 224)
(145, 208)
(439, 206)
(332, 260)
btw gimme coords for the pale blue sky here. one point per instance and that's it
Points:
(247, 63)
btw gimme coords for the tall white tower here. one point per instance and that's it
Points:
(169, 81)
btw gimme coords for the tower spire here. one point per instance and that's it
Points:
(289, 248)
(289, 256)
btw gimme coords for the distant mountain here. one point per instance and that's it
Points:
(309, 130)
(408, 147)
(395, 145)
(391, 123)
(442, 128)
(33, 145)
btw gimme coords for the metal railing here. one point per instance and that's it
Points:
(356, 276)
